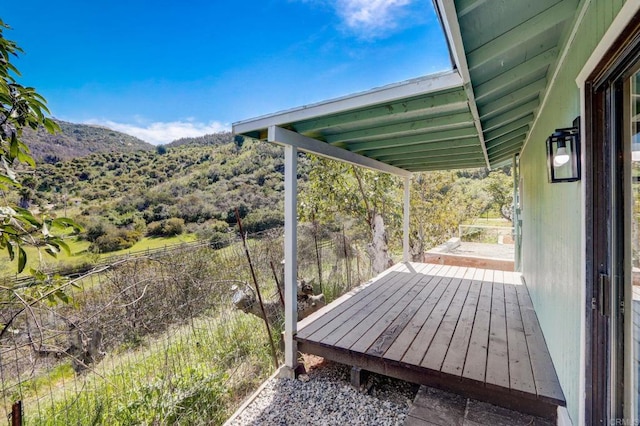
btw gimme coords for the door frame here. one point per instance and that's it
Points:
(604, 204)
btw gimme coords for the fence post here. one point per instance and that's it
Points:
(346, 257)
(318, 259)
(255, 282)
(16, 414)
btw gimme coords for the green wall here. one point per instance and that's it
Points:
(552, 214)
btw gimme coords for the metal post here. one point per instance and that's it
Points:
(291, 260)
(16, 414)
(405, 224)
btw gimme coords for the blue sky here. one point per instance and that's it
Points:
(162, 70)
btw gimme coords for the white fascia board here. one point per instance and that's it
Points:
(282, 136)
(451, 26)
(418, 86)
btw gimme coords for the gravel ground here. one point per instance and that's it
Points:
(325, 396)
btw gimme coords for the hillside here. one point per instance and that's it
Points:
(123, 196)
(211, 139)
(79, 140)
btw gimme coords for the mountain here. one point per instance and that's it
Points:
(79, 140)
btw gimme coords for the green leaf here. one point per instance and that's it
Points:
(26, 216)
(50, 125)
(13, 146)
(52, 249)
(62, 296)
(5, 180)
(10, 230)
(65, 222)
(10, 250)
(23, 157)
(64, 246)
(22, 259)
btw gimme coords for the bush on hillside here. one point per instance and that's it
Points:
(95, 230)
(206, 230)
(116, 240)
(220, 240)
(166, 228)
(261, 220)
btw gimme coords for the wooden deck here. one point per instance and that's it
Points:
(466, 330)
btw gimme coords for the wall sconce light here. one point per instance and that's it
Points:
(563, 154)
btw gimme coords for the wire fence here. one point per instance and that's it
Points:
(170, 337)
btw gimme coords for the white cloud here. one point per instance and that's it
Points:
(371, 18)
(163, 132)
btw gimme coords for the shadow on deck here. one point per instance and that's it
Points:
(465, 330)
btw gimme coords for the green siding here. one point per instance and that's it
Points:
(551, 214)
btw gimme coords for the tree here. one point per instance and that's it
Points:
(440, 201)
(21, 107)
(336, 190)
(500, 188)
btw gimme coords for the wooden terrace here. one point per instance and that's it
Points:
(466, 330)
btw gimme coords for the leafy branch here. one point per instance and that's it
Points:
(21, 107)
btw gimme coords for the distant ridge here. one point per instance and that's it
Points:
(79, 140)
(212, 139)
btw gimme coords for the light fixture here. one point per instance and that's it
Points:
(563, 154)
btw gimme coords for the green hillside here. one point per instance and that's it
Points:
(194, 187)
(79, 140)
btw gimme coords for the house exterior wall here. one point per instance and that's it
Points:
(552, 225)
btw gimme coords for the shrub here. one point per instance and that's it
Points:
(119, 240)
(166, 228)
(95, 230)
(262, 220)
(220, 240)
(206, 229)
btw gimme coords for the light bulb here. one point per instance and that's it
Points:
(561, 158)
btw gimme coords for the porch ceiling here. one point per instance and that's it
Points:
(508, 51)
(477, 115)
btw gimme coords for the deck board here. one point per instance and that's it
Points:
(347, 321)
(434, 358)
(362, 335)
(390, 335)
(422, 342)
(319, 319)
(405, 338)
(520, 372)
(476, 361)
(327, 324)
(457, 351)
(544, 374)
(467, 330)
(497, 355)
(366, 340)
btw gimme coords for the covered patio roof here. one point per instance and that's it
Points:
(504, 56)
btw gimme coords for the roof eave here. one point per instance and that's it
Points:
(414, 87)
(446, 11)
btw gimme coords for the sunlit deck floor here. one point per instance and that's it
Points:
(470, 331)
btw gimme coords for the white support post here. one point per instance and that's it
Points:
(405, 224)
(291, 260)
